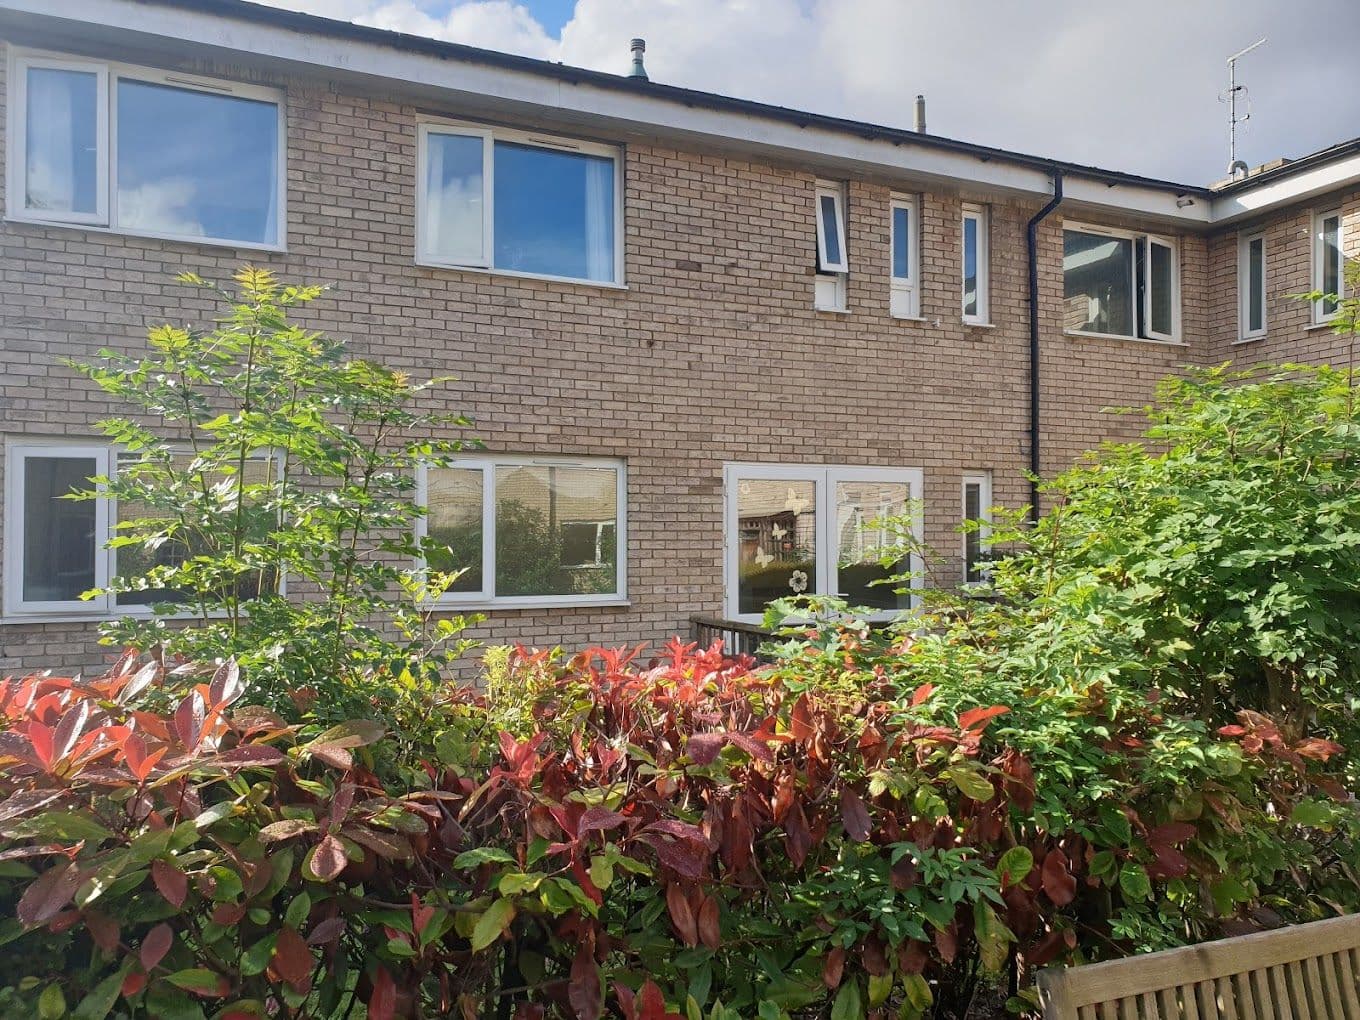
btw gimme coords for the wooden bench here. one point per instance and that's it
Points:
(1303, 972)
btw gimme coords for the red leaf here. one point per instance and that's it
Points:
(1058, 881)
(189, 720)
(103, 930)
(833, 967)
(170, 882)
(651, 1004)
(133, 983)
(1317, 748)
(682, 915)
(226, 685)
(333, 755)
(1169, 863)
(912, 957)
(800, 720)
(704, 748)
(947, 943)
(155, 945)
(875, 956)
(382, 1002)
(421, 916)
(326, 931)
(627, 997)
(709, 930)
(584, 991)
(921, 693)
(293, 959)
(798, 837)
(1172, 833)
(49, 893)
(329, 858)
(69, 730)
(599, 818)
(855, 816)
(978, 718)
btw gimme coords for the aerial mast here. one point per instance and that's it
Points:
(1236, 91)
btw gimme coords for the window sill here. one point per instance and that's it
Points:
(494, 605)
(978, 324)
(1316, 326)
(1242, 341)
(103, 616)
(1082, 334)
(204, 242)
(910, 318)
(516, 275)
(831, 311)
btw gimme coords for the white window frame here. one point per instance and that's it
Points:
(1244, 287)
(490, 135)
(487, 598)
(983, 480)
(825, 478)
(16, 454)
(1320, 314)
(105, 220)
(904, 291)
(836, 193)
(1142, 243)
(978, 214)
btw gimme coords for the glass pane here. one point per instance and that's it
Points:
(134, 561)
(556, 530)
(1161, 295)
(1097, 283)
(61, 130)
(59, 534)
(453, 197)
(863, 540)
(831, 231)
(972, 540)
(901, 239)
(1331, 261)
(1256, 282)
(970, 265)
(554, 212)
(454, 526)
(195, 164)
(777, 541)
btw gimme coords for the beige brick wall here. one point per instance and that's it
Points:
(712, 354)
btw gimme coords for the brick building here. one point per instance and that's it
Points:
(703, 339)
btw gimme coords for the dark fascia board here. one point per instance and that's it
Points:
(309, 24)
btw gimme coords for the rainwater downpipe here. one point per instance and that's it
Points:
(1031, 250)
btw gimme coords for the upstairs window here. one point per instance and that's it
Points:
(904, 250)
(976, 267)
(518, 203)
(146, 152)
(1120, 284)
(1251, 285)
(833, 265)
(1327, 263)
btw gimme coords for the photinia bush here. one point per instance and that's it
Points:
(686, 837)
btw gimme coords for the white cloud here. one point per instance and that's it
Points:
(1128, 86)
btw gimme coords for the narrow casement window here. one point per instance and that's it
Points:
(520, 531)
(54, 545)
(518, 203)
(975, 265)
(1251, 282)
(1120, 284)
(91, 141)
(904, 293)
(977, 508)
(1327, 263)
(809, 530)
(831, 229)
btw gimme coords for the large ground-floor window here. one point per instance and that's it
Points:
(802, 529)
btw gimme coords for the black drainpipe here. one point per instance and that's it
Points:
(1031, 249)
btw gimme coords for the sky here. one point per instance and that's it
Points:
(1128, 85)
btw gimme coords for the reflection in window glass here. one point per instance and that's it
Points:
(901, 240)
(864, 540)
(1256, 284)
(197, 164)
(453, 499)
(970, 265)
(60, 544)
(61, 132)
(453, 197)
(777, 532)
(1331, 262)
(542, 511)
(1098, 283)
(554, 212)
(1159, 280)
(972, 540)
(831, 230)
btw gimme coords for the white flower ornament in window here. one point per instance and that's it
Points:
(798, 581)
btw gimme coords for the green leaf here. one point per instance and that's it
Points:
(298, 910)
(1134, 881)
(971, 783)
(492, 924)
(255, 960)
(99, 1001)
(601, 873)
(51, 1003)
(483, 855)
(514, 882)
(917, 991)
(1015, 865)
(849, 1004)
(1313, 813)
(195, 979)
(880, 986)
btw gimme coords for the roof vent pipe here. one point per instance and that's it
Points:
(920, 115)
(639, 47)
(1239, 169)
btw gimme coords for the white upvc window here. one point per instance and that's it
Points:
(797, 529)
(833, 260)
(904, 248)
(977, 506)
(525, 531)
(139, 151)
(1251, 286)
(1120, 284)
(976, 261)
(1328, 272)
(518, 202)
